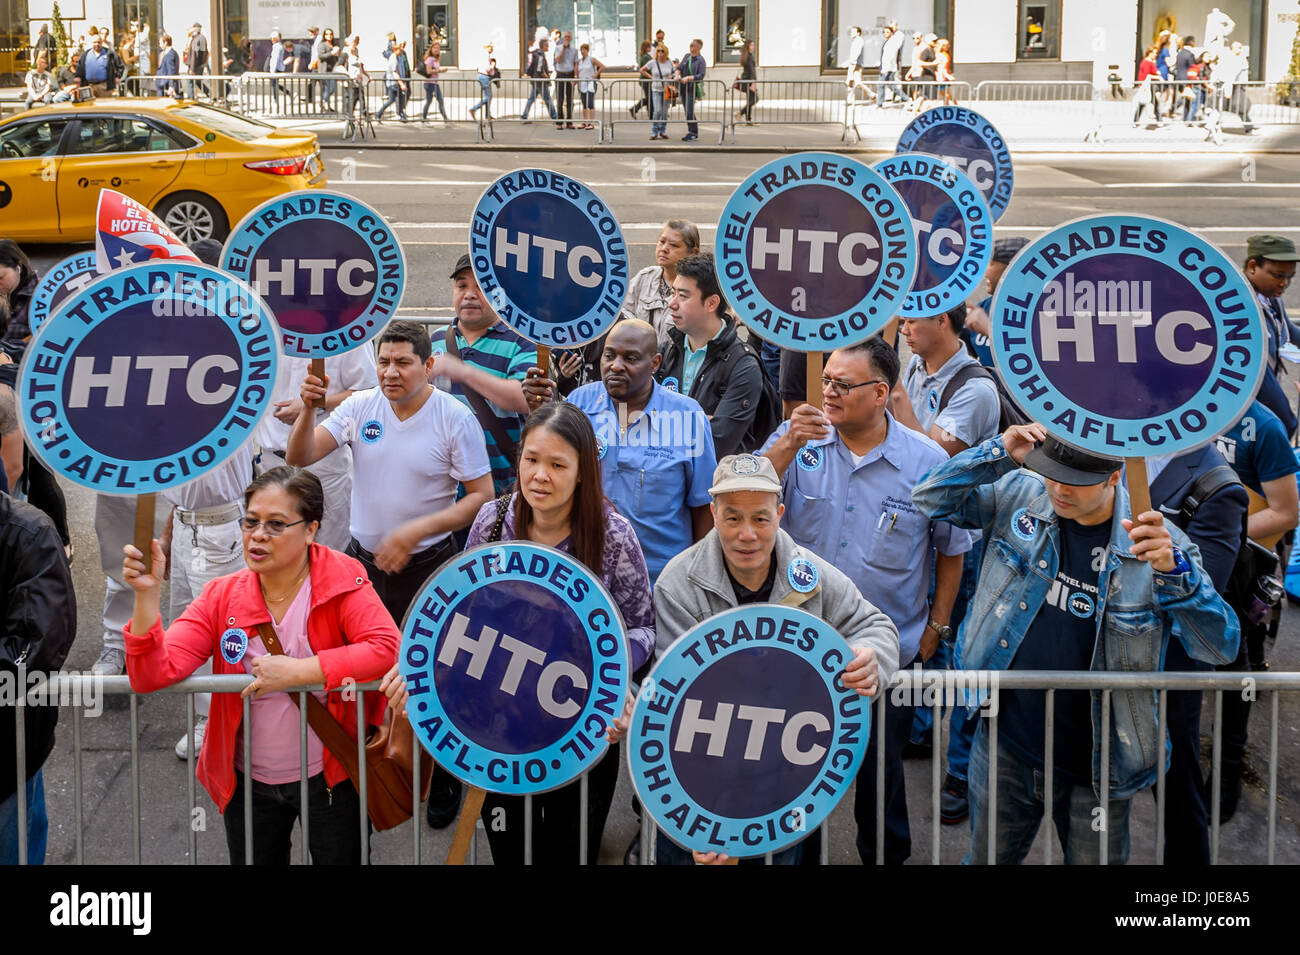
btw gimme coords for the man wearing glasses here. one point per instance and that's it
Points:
(847, 478)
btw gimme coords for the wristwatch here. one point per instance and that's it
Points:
(945, 633)
(1181, 565)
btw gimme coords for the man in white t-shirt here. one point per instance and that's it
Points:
(411, 444)
(347, 373)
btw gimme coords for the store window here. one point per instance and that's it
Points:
(144, 13)
(871, 16)
(249, 24)
(1039, 33)
(737, 24)
(614, 28)
(436, 21)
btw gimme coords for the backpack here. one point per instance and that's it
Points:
(767, 412)
(1255, 573)
(1009, 412)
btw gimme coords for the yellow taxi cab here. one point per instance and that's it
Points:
(199, 167)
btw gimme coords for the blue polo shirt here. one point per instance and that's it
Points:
(860, 518)
(1257, 448)
(657, 469)
(96, 65)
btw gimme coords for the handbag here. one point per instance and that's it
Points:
(390, 754)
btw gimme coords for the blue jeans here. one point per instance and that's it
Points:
(659, 113)
(887, 82)
(433, 91)
(38, 824)
(944, 656)
(544, 89)
(485, 83)
(396, 95)
(668, 852)
(1020, 810)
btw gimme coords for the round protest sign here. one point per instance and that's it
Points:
(148, 377)
(329, 267)
(1128, 336)
(69, 276)
(550, 257)
(815, 251)
(745, 738)
(516, 663)
(963, 138)
(954, 231)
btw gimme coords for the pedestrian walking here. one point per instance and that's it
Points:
(433, 68)
(644, 56)
(748, 82)
(396, 74)
(891, 65)
(538, 70)
(487, 72)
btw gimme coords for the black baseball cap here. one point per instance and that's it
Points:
(1066, 464)
(461, 265)
(1004, 250)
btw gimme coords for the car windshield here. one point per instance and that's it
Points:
(228, 124)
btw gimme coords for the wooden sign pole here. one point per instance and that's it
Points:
(814, 384)
(469, 813)
(318, 371)
(1139, 489)
(544, 360)
(890, 333)
(144, 511)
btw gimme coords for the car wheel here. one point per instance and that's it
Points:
(193, 216)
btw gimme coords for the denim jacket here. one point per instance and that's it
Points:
(1137, 606)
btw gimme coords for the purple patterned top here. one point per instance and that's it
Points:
(624, 574)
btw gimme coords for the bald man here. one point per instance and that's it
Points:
(655, 445)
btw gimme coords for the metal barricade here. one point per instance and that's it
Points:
(629, 102)
(936, 689)
(219, 89)
(1029, 108)
(1161, 108)
(516, 101)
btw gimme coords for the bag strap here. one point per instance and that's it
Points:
(486, 416)
(1206, 485)
(327, 729)
(962, 375)
(503, 505)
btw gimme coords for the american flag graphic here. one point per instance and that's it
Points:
(128, 233)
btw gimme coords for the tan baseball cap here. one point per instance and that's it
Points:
(745, 472)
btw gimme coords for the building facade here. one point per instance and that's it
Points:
(795, 39)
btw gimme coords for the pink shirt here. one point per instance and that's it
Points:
(275, 715)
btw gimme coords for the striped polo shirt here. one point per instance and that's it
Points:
(502, 352)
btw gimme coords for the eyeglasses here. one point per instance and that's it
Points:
(842, 388)
(272, 528)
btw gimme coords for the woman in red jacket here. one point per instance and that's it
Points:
(333, 630)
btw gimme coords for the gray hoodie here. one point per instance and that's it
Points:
(694, 586)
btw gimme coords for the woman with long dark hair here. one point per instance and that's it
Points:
(17, 285)
(642, 58)
(749, 81)
(560, 502)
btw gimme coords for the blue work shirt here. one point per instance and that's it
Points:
(657, 469)
(860, 518)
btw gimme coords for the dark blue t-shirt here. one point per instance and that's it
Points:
(1061, 637)
(1257, 448)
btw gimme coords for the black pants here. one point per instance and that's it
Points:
(898, 834)
(44, 493)
(564, 95)
(397, 591)
(1187, 819)
(556, 818)
(1236, 711)
(334, 833)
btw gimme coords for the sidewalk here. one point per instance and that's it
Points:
(1031, 127)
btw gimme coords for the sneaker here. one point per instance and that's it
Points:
(689, 137)
(444, 802)
(183, 746)
(111, 662)
(632, 110)
(953, 806)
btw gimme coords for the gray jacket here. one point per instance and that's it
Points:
(694, 587)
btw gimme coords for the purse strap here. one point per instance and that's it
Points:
(327, 729)
(486, 416)
(503, 505)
